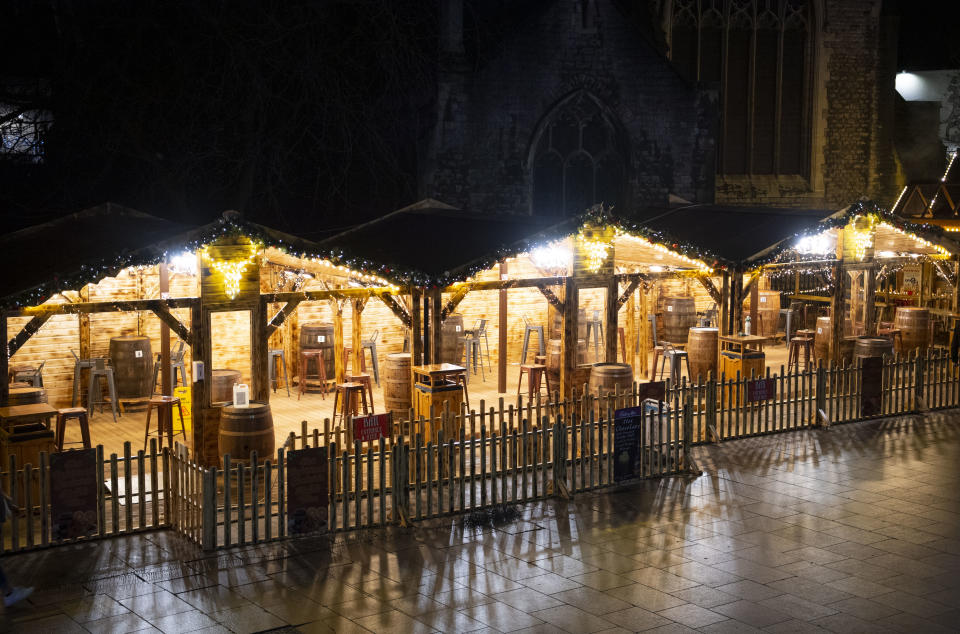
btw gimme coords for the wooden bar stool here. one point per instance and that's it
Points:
(164, 406)
(346, 359)
(63, 415)
(798, 343)
(364, 379)
(320, 375)
(535, 373)
(347, 399)
(277, 355)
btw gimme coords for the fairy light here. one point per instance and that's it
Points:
(662, 248)
(595, 251)
(231, 270)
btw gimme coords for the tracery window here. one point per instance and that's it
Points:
(760, 53)
(576, 161)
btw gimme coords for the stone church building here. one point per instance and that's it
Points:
(545, 107)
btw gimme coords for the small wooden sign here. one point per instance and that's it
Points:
(73, 493)
(655, 390)
(307, 490)
(871, 385)
(761, 390)
(627, 431)
(372, 427)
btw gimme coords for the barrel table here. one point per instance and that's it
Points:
(555, 358)
(397, 385)
(679, 315)
(27, 396)
(702, 349)
(821, 340)
(315, 336)
(222, 382)
(132, 361)
(871, 347)
(246, 429)
(914, 326)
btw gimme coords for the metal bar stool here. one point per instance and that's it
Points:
(371, 345)
(657, 347)
(63, 415)
(29, 374)
(346, 401)
(164, 406)
(79, 365)
(100, 370)
(176, 363)
(528, 327)
(471, 351)
(275, 355)
(676, 358)
(595, 326)
(472, 338)
(320, 375)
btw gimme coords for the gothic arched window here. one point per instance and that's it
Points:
(576, 162)
(760, 53)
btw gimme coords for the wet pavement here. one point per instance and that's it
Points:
(852, 529)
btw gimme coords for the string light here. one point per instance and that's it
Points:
(231, 270)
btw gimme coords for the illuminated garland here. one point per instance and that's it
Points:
(231, 270)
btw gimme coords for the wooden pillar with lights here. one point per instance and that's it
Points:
(4, 361)
(229, 270)
(630, 332)
(416, 341)
(836, 301)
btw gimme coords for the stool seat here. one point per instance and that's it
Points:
(346, 402)
(800, 343)
(276, 355)
(320, 375)
(164, 406)
(67, 413)
(365, 380)
(526, 341)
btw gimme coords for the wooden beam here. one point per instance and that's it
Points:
(131, 305)
(259, 353)
(172, 322)
(25, 333)
(327, 294)
(4, 362)
(947, 275)
(356, 331)
(568, 338)
(708, 284)
(436, 324)
(502, 335)
(454, 301)
(630, 330)
(724, 305)
(200, 352)
(555, 301)
(277, 320)
(869, 307)
(416, 342)
(628, 292)
(395, 307)
(585, 281)
(611, 308)
(339, 371)
(754, 308)
(166, 379)
(427, 329)
(643, 350)
(748, 286)
(836, 303)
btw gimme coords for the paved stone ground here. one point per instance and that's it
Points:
(855, 529)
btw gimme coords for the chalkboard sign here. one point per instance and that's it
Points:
(73, 493)
(307, 491)
(627, 431)
(871, 385)
(761, 390)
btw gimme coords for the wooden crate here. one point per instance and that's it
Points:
(746, 363)
(434, 396)
(25, 444)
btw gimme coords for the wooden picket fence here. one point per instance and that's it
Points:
(462, 462)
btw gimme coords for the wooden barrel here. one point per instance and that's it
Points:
(768, 309)
(821, 340)
(314, 336)
(246, 429)
(679, 316)
(847, 344)
(397, 379)
(914, 325)
(871, 347)
(451, 340)
(132, 362)
(222, 385)
(702, 352)
(610, 377)
(27, 396)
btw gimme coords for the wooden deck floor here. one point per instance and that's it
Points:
(313, 407)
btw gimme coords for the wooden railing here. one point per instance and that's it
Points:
(463, 462)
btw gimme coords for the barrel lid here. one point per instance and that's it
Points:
(612, 365)
(910, 308)
(398, 355)
(254, 406)
(704, 329)
(130, 338)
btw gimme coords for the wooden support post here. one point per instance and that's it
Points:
(166, 383)
(645, 338)
(356, 331)
(436, 324)
(83, 325)
(836, 302)
(502, 334)
(611, 322)
(725, 305)
(630, 332)
(4, 362)
(754, 308)
(736, 305)
(568, 336)
(955, 301)
(200, 351)
(869, 306)
(340, 371)
(416, 343)
(427, 329)
(259, 357)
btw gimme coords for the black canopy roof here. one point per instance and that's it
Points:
(734, 233)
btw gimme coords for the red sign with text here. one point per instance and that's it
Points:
(761, 390)
(373, 427)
